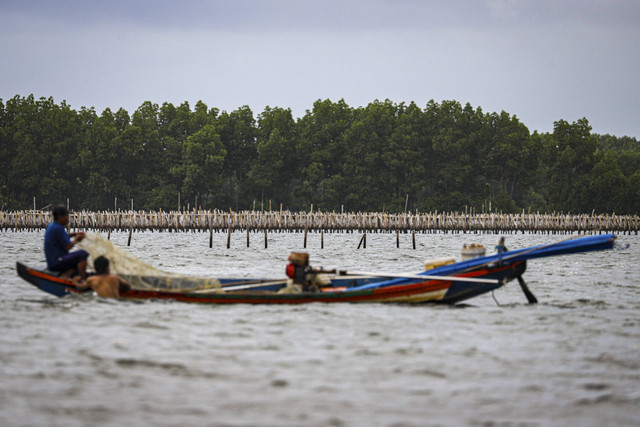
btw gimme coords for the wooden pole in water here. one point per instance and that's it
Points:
(487, 223)
(109, 234)
(413, 238)
(248, 236)
(210, 236)
(363, 241)
(229, 237)
(130, 233)
(305, 238)
(266, 244)
(321, 239)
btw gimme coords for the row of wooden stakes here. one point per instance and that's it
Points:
(287, 221)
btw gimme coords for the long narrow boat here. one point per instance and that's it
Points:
(448, 284)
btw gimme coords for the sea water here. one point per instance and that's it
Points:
(572, 359)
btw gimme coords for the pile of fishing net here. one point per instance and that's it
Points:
(137, 272)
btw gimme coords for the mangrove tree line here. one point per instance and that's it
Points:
(383, 156)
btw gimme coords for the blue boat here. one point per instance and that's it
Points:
(446, 284)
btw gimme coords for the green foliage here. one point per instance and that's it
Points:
(203, 160)
(383, 156)
(608, 186)
(570, 158)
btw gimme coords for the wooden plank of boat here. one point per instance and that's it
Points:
(420, 277)
(353, 273)
(227, 288)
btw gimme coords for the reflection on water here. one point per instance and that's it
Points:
(81, 360)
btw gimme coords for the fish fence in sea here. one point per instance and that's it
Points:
(364, 222)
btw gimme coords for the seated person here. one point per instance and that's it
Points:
(104, 283)
(57, 243)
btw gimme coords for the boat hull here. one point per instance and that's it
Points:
(440, 291)
(502, 268)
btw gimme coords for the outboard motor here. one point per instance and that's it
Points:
(302, 275)
(298, 268)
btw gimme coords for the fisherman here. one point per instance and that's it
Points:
(104, 283)
(57, 243)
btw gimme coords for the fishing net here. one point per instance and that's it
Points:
(137, 272)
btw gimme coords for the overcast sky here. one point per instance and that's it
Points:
(540, 60)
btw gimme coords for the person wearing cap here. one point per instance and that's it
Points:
(57, 243)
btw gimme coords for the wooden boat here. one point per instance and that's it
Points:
(448, 284)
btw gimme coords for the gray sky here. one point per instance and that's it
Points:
(540, 60)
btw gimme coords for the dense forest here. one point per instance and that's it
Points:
(384, 156)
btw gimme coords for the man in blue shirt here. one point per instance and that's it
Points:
(57, 243)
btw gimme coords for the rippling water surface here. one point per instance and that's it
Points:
(573, 359)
